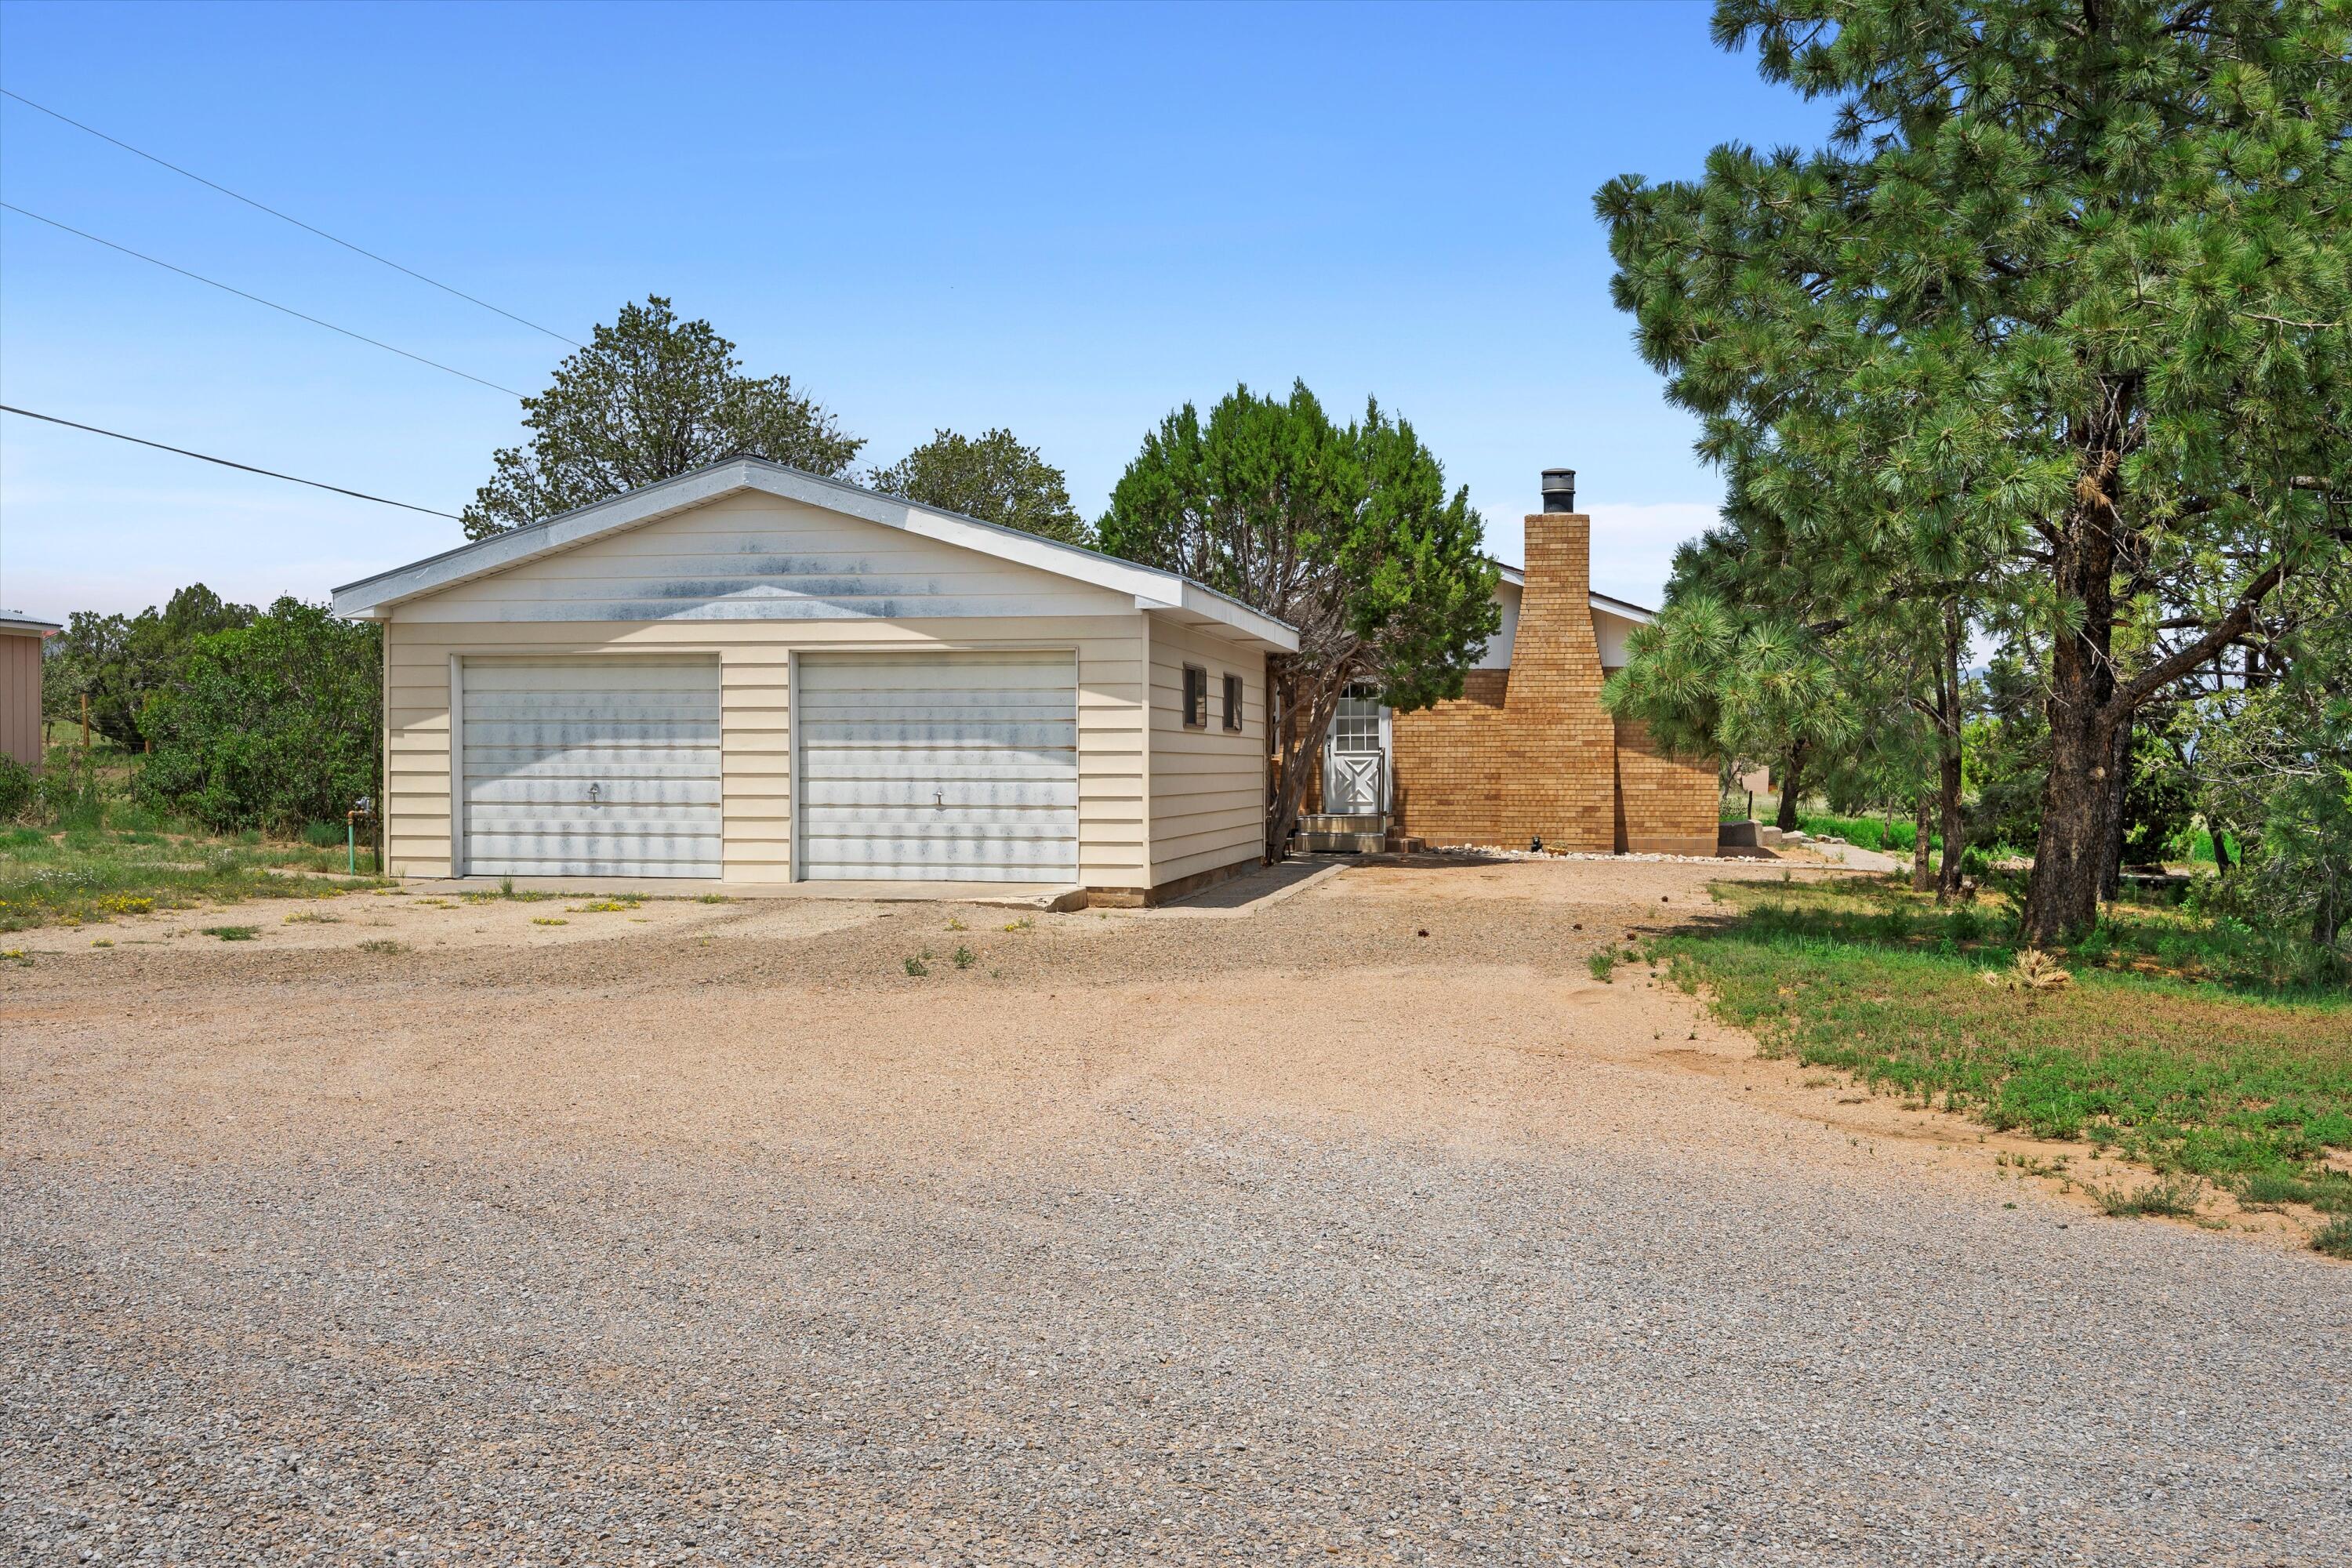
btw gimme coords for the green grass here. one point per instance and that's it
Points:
(2334, 1238)
(95, 872)
(1603, 964)
(233, 934)
(2201, 1048)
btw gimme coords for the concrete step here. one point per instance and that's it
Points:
(1342, 843)
(1342, 822)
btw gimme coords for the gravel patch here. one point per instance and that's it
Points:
(1309, 1236)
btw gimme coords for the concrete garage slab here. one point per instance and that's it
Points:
(1006, 895)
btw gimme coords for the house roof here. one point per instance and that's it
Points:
(1518, 578)
(17, 621)
(1167, 592)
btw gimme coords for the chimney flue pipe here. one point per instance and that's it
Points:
(1559, 490)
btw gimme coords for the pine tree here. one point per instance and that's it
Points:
(2062, 312)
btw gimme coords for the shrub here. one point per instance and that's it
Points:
(1603, 964)
(2174, 1197)
(323, 835)
(65, 792)
(16, 788)
(2334, 1238)
(271, 725)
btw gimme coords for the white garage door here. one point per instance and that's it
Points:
(591, 767)
(956, 767)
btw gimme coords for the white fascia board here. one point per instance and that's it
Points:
(371, 598)
(1251, 625)
(1621, 609)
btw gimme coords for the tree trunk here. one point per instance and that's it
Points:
(1307, 722)
(1947, 751)
(2061, 902)
(1922, 822)
(1790, 785)
(2220, 850)
(2111, 867)
(1948, 795)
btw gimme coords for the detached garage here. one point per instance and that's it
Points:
(749, 676)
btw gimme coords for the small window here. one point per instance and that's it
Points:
(1233, 703)
(1196, 698)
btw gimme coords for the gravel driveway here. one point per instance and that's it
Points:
(1367, 1229)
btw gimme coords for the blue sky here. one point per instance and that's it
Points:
(1062, 220)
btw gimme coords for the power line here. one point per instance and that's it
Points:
(224, 462)
(296, 222)
(258, 300)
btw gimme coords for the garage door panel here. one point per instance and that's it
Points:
(940, 860)
(895, 673)
(509, 792)
(586, 762)
(1047, 702)
(959, 767)
(943, 794)
(855, 762)
(540, 735)
(572, 735)
(971, 734)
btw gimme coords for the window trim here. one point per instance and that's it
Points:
(1196, 698)
(1236, 696)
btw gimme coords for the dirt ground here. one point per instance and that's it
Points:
(1369, 1227)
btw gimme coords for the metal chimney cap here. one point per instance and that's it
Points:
(1559, 490)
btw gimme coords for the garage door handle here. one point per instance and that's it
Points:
(939, 799)
(594, 791)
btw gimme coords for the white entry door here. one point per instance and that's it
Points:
(959, 767)
(590, 767)
(1356, 757)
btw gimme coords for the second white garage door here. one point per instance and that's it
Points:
(959, 767)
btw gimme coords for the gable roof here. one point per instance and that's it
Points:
(1518, 578)
(1168, 593)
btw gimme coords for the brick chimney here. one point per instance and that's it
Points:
(1559, 773)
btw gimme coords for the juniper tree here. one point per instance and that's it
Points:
(1347, 532)
(650, 398)
(2068, 294)
(992, 478)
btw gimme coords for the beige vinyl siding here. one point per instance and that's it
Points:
(759, 557)
(755, 734)
(1208, 786)
(753, 579)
